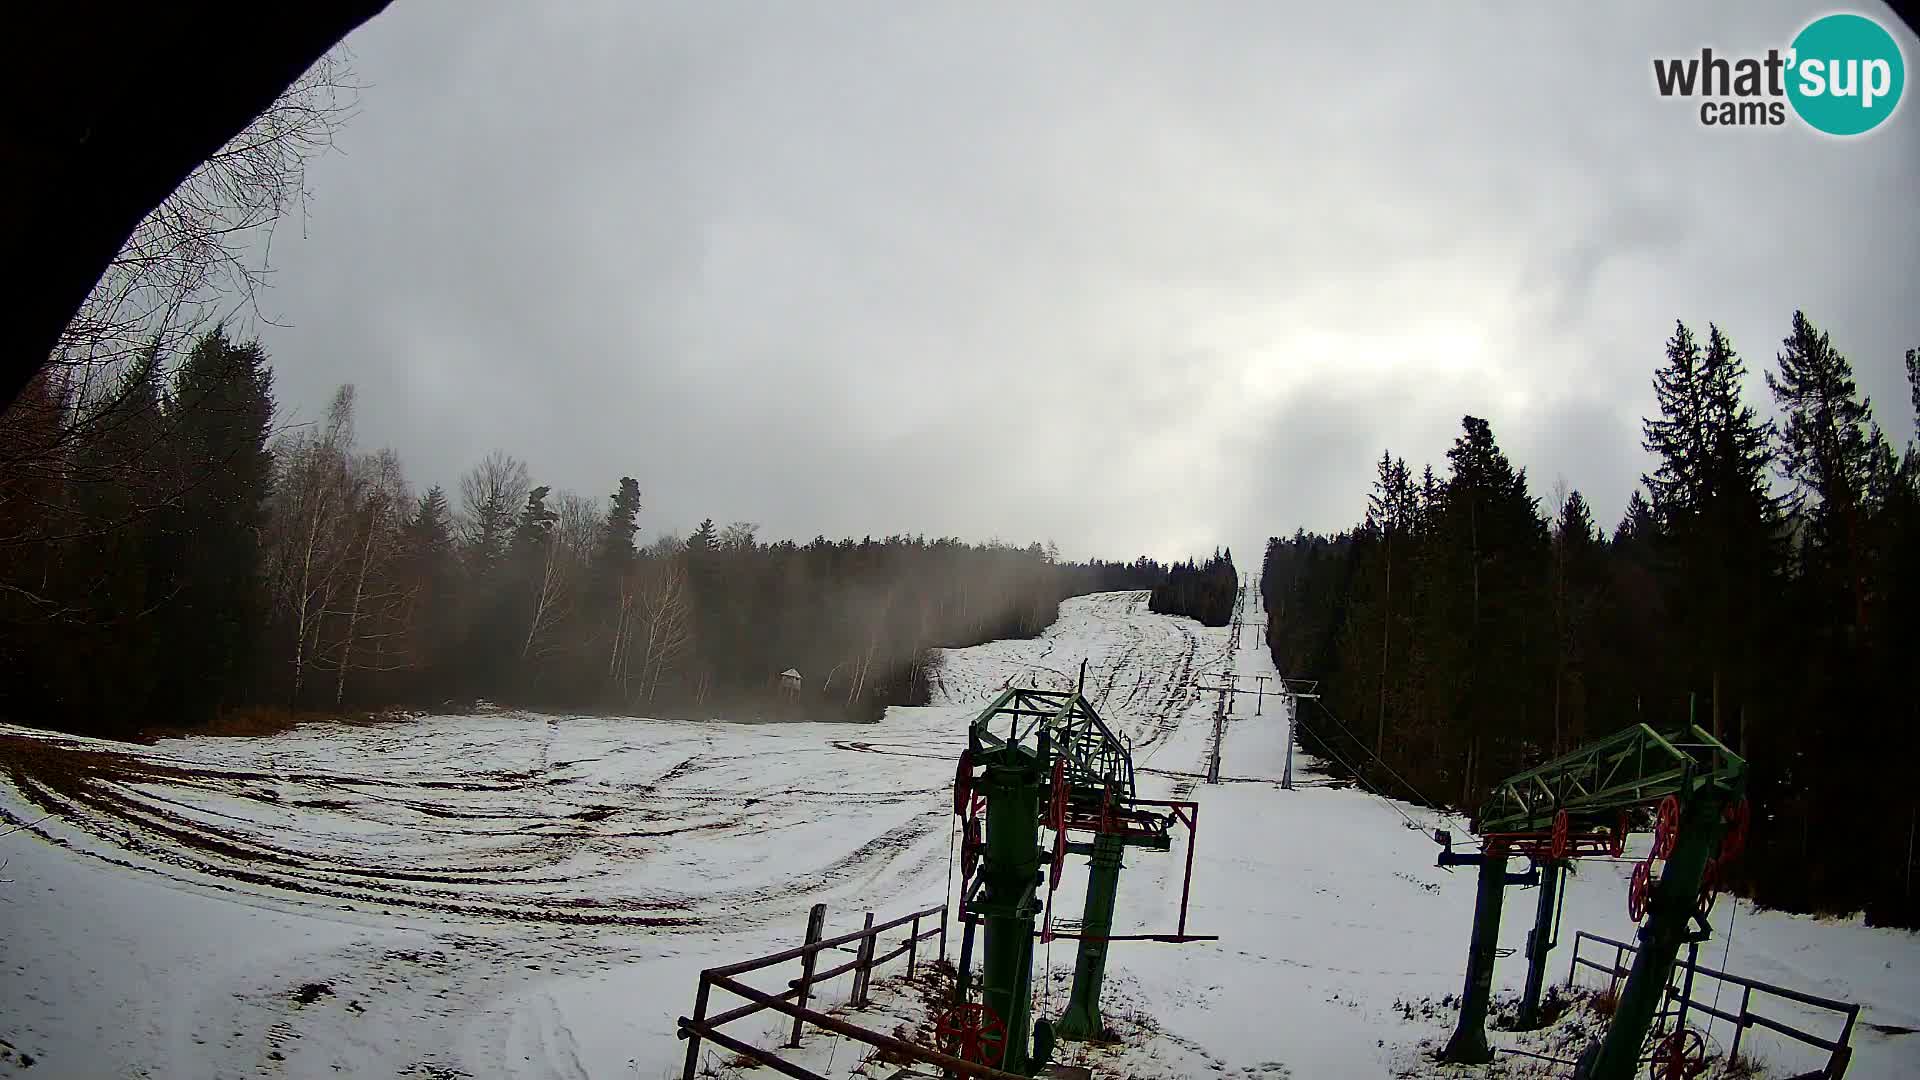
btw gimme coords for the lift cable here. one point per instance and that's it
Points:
(1358, 776)
(1417, 793)
(1361, 779)
(1733, 913)
(953, 828)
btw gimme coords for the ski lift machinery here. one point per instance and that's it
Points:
(1044, 759)
(1580, 805)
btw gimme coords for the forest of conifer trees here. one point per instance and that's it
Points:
(1204, 592)
(1763, 581)
(168, 556)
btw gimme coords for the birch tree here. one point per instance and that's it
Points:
(375, 597)
(314, 492)
(666, 607)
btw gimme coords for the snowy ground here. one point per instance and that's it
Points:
(530, 896)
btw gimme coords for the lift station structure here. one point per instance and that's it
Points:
(1044, 759)
(1581, 805)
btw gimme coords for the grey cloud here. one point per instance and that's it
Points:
(1129, 276)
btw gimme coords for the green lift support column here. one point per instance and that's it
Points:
(1468, 1046)
(1048, 746)
(1082, 1018)
(1669, 911)
(1540, 942)
(1010, 868)
(1562, 810)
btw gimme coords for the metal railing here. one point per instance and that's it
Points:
(1681, 1001)
(792, 1001)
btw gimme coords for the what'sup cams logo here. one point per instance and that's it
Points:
(1842, 75)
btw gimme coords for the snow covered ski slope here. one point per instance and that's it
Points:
(520, 895)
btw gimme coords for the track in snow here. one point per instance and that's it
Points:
(533, 896)
(578, 821)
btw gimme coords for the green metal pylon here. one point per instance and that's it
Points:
(1540, 942)
(1669, 910)
(1011, 869)
(1082, 1018)
(1468, 1046)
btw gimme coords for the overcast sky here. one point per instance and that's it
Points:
(1134, 277)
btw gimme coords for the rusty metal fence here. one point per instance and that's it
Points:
(1680, 1001)
(792, 1001)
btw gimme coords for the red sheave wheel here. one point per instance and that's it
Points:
(1560, 828)
(1709, 888)
(1739, 817)
(1637, 890)
(1666, 827)
(1617, 844)
(1682, 1055)
(963, 783)
(970, 848)
(1059, 858)
(1057, 807)
(970, 1031)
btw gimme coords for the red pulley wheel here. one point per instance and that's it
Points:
(1637, 889)
(970, 847)
(963, 783)
(1682, 1055)
(1059, 858)
(1057, 808)
(970, 1031)
(1057, 820)
(1560, 829)
(1617, 844)
(1666, 827)
(1739, 817)
(1709, 888)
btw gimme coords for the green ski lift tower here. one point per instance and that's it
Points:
(1581, 805)
(1040, 759)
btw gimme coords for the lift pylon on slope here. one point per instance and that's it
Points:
(1045, 758)
(1576, 806)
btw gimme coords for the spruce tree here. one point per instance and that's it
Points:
(1831, 450)
(1679, 436)
(1715, 555)
(612, 598)
(1638, 524)
(430, 572)
(1737, 552)
(1578, 580)
(1390, 510)
(1494, 551)
(1913, 386)
(623, 522)
(535, 523)
(219, 415)
(121, 477)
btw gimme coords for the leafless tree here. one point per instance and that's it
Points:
(874, 617)
(374, 605)
(666, 606)
(314, 492)
(568, 549)
(491, 493)
(208, 247)
(625, 619)
(632, 588)
(203, 253)
(580, 527)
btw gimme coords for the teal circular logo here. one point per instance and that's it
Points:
(1845, 74)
